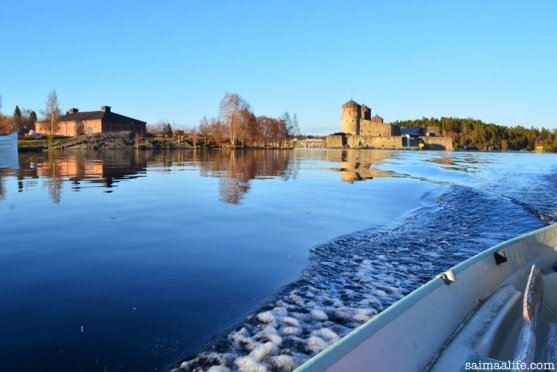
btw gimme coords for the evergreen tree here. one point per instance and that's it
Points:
(17, 118)
(168, 130)
(485, 136)
(32, 119)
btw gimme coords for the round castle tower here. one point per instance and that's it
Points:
(351, 114)
(366, 112)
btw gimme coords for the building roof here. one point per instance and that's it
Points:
(410, 131)
(94, 115)
(351, 102)
(377, 117)
(363, 105)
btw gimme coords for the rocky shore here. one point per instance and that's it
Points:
(117, 140)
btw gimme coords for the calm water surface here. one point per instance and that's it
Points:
(136, 261)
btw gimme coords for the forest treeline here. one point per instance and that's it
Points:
(472, 133)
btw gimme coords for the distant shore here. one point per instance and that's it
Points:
(126, 140)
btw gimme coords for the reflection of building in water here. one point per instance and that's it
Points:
(94, 168)
(236, 168)
(2, 186)
(356, 165)
(4, 173)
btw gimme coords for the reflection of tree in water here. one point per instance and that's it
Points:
(54, 185)
(236, 168)
(2, 187)
(54, 182)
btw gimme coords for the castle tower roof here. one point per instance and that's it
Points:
(363, 105)
(351, 102)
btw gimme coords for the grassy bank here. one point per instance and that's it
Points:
(32, 145)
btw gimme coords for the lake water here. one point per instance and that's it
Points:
(143, 261)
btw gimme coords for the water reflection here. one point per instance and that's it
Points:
(356, 165)
(95, 168)
(2, 185)
(234, 169)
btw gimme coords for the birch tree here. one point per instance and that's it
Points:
(231, 107)
(51, 112)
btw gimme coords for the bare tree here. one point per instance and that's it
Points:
(51, 112)
(291, 123)
(204, 129)
(231, 107)
(2, 129)
(194, 137)
(159, 128)
(5, 121)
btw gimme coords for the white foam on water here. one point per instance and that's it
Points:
(266, 317)
(289, 331)
(328, 334)
(319, 314)
(291, 321)
(269, 333)
(218, 369)
(283, 362)
(248, 364)
(262, 350)
(316, 344)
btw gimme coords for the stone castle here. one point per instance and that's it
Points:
(361, 130)
(357, 120)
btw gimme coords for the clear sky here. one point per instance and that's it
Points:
(174, 60)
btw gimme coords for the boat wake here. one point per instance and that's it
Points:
(538, 197)
(354, 277)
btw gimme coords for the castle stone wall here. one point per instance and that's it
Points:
(390, 142)
(335, 141)
(438, 143)
(309, 144)
(374, 128)
(387, 142)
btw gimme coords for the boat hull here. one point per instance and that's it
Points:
(8, 151)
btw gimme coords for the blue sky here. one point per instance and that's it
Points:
(173, 60)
